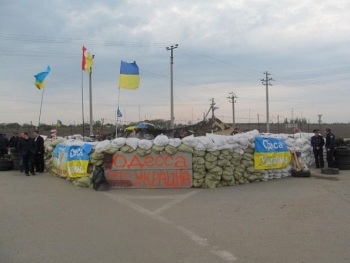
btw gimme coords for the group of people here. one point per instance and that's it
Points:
(318, 142)
(30, 150)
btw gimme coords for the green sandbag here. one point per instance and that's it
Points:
(246, 174)
(215, 153)
(248, 156)
(141, 152)
(249, 150)
(82, 182)
(210, 157)
(237, 156)
(171, 150)
(198, 168)
(96, 162)
(227, 177)
(210, 183)
(110, 149)
(198, 183)
(210, 165)
(198, 153)
(229, 169)
(223, 163)
(199, 175)
(127, 149)
(216, 170)
(251, 169)
(199, 160)
(212, 177)
(227, 152)
(247, 163)
(185, 148)
(97, 156)
(253, 178)
(157, 149)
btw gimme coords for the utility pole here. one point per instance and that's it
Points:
(171, 48)
(232, 98)
(266, 83)
(319, 121)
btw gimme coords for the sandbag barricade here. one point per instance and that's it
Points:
(217, 160)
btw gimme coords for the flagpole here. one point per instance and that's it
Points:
(82, 101)
(90, 92)
(41, 105)
(116, 123)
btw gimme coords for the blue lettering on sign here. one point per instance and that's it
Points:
(264, 144)
(74, 153)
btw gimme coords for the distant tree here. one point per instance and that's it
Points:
(13, 125)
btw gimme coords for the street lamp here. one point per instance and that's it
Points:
(171, 48)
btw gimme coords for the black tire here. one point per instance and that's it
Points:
(6, 165)
(342, 151)
(344, 160)
(329, 170)
(342, 166)
(296, 173)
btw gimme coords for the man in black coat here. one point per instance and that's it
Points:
(3, 145)
(330, 145)
(26, 148)
(39, 152)
(317, 143)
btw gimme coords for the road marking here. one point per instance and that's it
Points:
(203, 242)
(176, 200)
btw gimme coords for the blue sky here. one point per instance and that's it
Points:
(224, 46)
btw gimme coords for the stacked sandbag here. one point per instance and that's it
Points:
(217, 160)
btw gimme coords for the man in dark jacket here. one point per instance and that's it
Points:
(3, 145)
(330, 145)
(39, 152)
(317, 143)
(26, 148)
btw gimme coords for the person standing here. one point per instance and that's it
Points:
(317, 143)
(3, 145)
(330, 145)
(26, 148)
(39, 152)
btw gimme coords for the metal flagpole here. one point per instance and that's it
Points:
(41, 105)
(117, 117)
(82, 101)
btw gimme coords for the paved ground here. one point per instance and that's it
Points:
(44, 218)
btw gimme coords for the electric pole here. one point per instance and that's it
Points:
(171, 48)
(319, 121)
(266, 83)
(232, 98)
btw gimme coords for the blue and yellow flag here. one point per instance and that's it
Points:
(59, 123)
(129, 75)
(271, 153)
(40, 77)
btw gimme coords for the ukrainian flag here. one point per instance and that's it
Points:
(40, 77)
(129, 75)
(271, 153)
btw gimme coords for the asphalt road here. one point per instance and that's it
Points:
(44, 218)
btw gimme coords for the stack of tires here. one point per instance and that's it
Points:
(342, 158)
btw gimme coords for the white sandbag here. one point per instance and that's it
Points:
(200, 147)
(206, 141)
(218, 140)
(100, 146)
(161, 140)
(145, 144)
(132, 142)
(175, 142)
(119, 142)
(190, 140)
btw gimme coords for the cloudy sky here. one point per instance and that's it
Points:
(224, 46)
